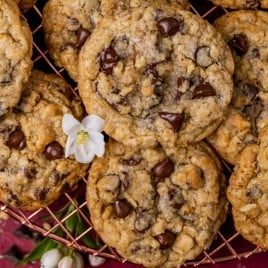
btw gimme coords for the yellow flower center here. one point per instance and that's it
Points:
(82, 137)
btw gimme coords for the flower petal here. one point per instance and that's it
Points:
(70, 145)
(93, 123)
(84, 153)
(98, 141)
(70, 125)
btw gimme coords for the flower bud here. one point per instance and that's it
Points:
(95, 260)
(50, 259)
(79, 263)
(66, 262)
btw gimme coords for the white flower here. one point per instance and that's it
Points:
(66, 262)
(51, 258)
(85, 139)
(96, 260)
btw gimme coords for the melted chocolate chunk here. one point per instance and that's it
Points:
(175, 120)
(54, 151)
(130, 161)
(150, 70)
(108, 59)
(144, 220)
(41, 194)
(121, 208)
(30, 172)
(16, 140)
(180, 81)
(169, 26)
(82, 35)
(166, 239)
(203, 90)
(239, 44)
(163, 169)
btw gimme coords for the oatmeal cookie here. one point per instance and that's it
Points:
(156, 75)
(15, 54)
(246, 32)
(241, 4)
(248, 192)
(33, 170)
(157, 207)
(68, 23)
(25, 5)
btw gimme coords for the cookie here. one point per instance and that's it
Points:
(25, 5)
(68, 23)
(33, 170)
(157, 207)
(246, 33)
(241, 4)
(15, 54)
(156, 75)
(248, 192)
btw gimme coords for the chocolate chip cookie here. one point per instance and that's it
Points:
(241, 4)
(248, 192)
(157, 207)
(68, 23)
(25, 5)
(156, 75)
(15, 54)
(33, 170)
(246, 33)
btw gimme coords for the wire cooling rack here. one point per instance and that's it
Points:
(228, 245)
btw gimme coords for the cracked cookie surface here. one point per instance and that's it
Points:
(33, 170)
(156, 75)
(248, 192)
(68, 23)
(157, 208)
(242, 4)
(246, 33)
(15, 54)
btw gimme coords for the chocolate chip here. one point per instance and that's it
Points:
(41, 194)
(54, 151)
(123, 101)
(202, 56)
(16, 140)
(150, 70)
(166, 239)
(108, 59)
(203, 90)
(130, 161)
(163, 169)
(169, 26)
(255, 53)
(82, 35)
(175, 120)
(239, 44)
(144, 220)
(180, 81)
(121, 208)
(57, 177)
(30, 172)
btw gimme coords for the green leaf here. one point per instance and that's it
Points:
(71, 222)
(87, 239)
(42, 247)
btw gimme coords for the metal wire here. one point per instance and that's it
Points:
(227, 245)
